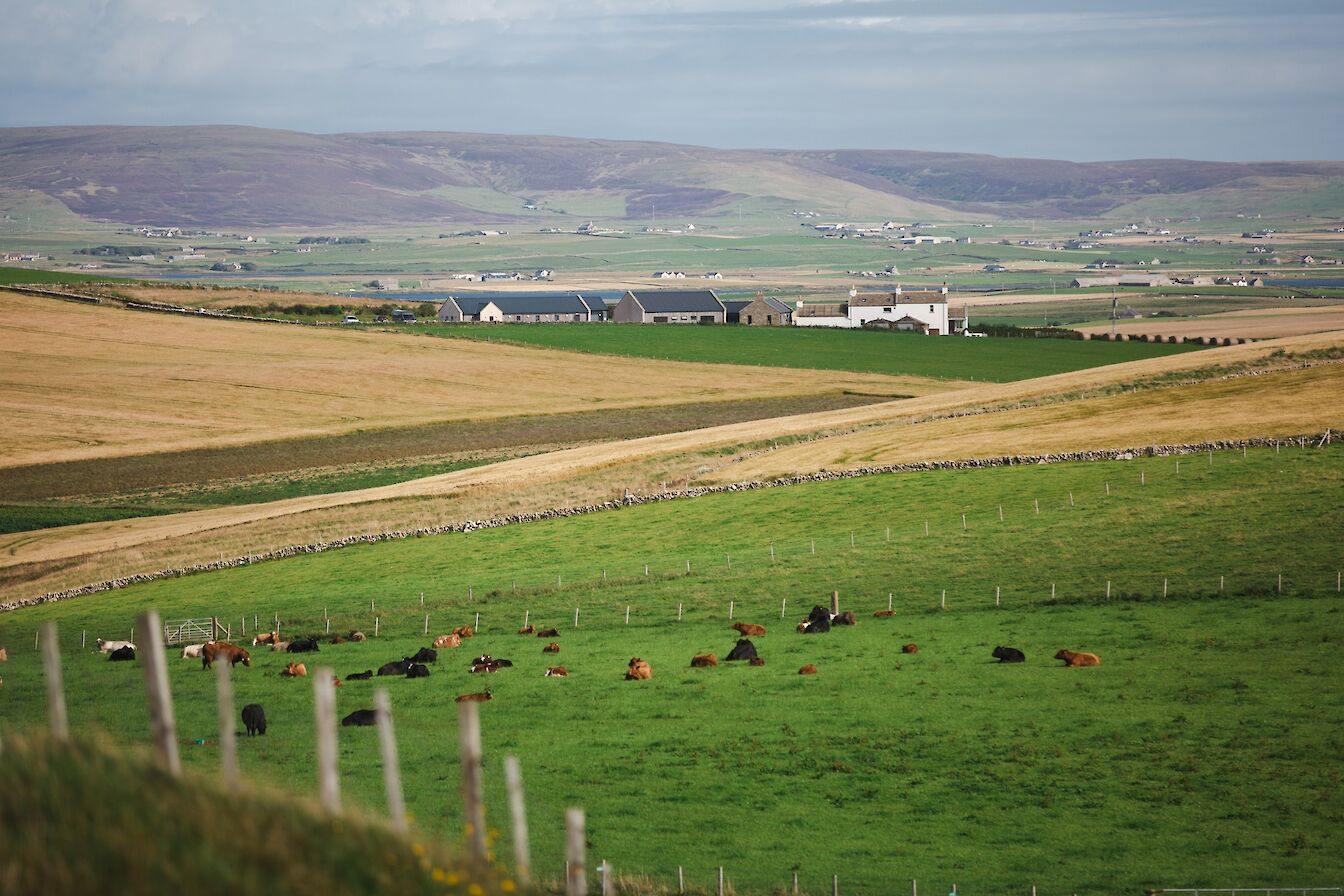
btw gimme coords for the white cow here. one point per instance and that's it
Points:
(192, 651)
(109, 646)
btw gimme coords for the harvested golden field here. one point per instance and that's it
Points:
(80, 382)
(1067, 415)
(1260, 323)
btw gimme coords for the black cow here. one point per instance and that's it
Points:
(360, 676)
(254, 717)
(302, 645)
(417, 670)
(397, 668)
(426, 655)
(818, 621)
(745, 650)
(361, 717)
(1009, 655)
(122, 654)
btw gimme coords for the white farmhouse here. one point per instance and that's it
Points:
(924, 311)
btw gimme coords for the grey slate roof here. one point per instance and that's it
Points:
(663, 301)
(472, 305)
(735, 306)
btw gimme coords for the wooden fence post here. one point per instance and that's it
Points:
(784, 602)
(426, 623)
(678, 611)
(477, 626)
(324, 713)
(795, 883)
(576, 617)
(943, 603)
(605, 870)
(375, 626)
(730, 605)
(835, 885)
(387, 744)
(228, 738)
(1070, 499)
(681, 881)
(963, 521)
(888, 601)
(720, 890)
(1000, 513)
(83, 634)
(469, 749)
(772, 552)
(926, 528)
(835, 603)
(522, 853)
(526, 614)
(996, 595)
(627, 614)
(51, 663)
(576, 878)
(152, 660)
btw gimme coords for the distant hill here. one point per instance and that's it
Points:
(250, 177)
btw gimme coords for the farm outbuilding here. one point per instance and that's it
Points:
(670, 306)
(523, 309)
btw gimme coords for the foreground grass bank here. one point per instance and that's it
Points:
(1204, 751)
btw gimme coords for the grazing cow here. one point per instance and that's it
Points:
(294, 670)
(426, 655)
(638, 670)
(265, 638)
(360, 676)
(397, 668)
(1073, 658)
(223, 650)
(474, 698)
(845, 618)
(1009, 655)
(556, 672)
(463, 631)
(336, 639)
(883, 614)
(909, 648)
(818, 621)
(122, 654)
(109, 646)
(743, 650)
(809, 669)
(361, 717)
(192, 651)
(417, 670)
(551, 648)
(254, 718)
(748, 629)
(302, 645)
(548, 633)
(704, 661)
(527, 630)
(356, 635)
(449, 640)
(757, 661)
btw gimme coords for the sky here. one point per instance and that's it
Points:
(1230, 79)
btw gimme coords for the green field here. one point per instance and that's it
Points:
(26, 276)
(995, 360)
(1204, 751)
(1097, 308)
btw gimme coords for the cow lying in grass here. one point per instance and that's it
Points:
(1072, 658)
(474, 698)
(704, 661)
(556, 672)
(748, 629)
(742, 650)
(361, 717)
(638, 670)
(1009, 655)
(109, 646)
(449, 640)
(294, 670)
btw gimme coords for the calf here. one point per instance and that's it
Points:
(361, 717)
(748, 629)
(336, 639)
(397, 668)
(845, 618)
(551, 648)
(426, 655)
(1009, 655)
(548, 633)
(474, 698)
(527, 630)
(448, 640)
(279, 647)
(463, 631)
(638, 670)
(4, 655)
(223, 650)
(909, 648)
(417, 670)
(883, 614)
(809, 669)
(556, 672)
(360, 676)
(254, 718)
(294, 670)
(302, 645)
(743, 650)
(109, 646)
(1073, 658)
(757, 661)
(192, 651)
(704, 661)
(265, 638)
(121, 654)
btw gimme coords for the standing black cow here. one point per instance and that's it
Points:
(302, 645)
(745, 650)
(254, 718)
(122, 654)
(361, 717)
(1009, 655)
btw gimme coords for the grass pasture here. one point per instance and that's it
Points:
(1204, 751)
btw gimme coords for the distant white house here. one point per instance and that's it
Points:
(669, 275)
(924, 311)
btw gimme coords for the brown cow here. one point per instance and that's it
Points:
(266, 638)
(449, 640)
(280, 647)
(4, 655)
(548, 633)
(748, 629)
(557, 672)
(527, 630)
(474, 698)
(336, 639)
(336, 680)
(809, 669)
(551, 648)
(357, 635)
(883, 614)
(638, 670)
(294, 670)
(757, 661)
(909, 648)
(225, 651)
(1072, 658)
(704, 661)
(463, 631)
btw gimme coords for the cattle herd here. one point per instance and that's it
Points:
(819, 621)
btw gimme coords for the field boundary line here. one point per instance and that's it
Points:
(1305, 440)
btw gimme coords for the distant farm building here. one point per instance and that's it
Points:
(523, 309)
(1122, 280)
(670, 306)
(761, 311)
(923, 311)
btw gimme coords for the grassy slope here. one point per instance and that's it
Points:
(995, 360)
(1199, 753)
(28, 276)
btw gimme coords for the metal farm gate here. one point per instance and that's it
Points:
(194, 631)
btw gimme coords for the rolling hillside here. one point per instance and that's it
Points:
(250, 177)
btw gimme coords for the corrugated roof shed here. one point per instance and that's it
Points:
(663, 301)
